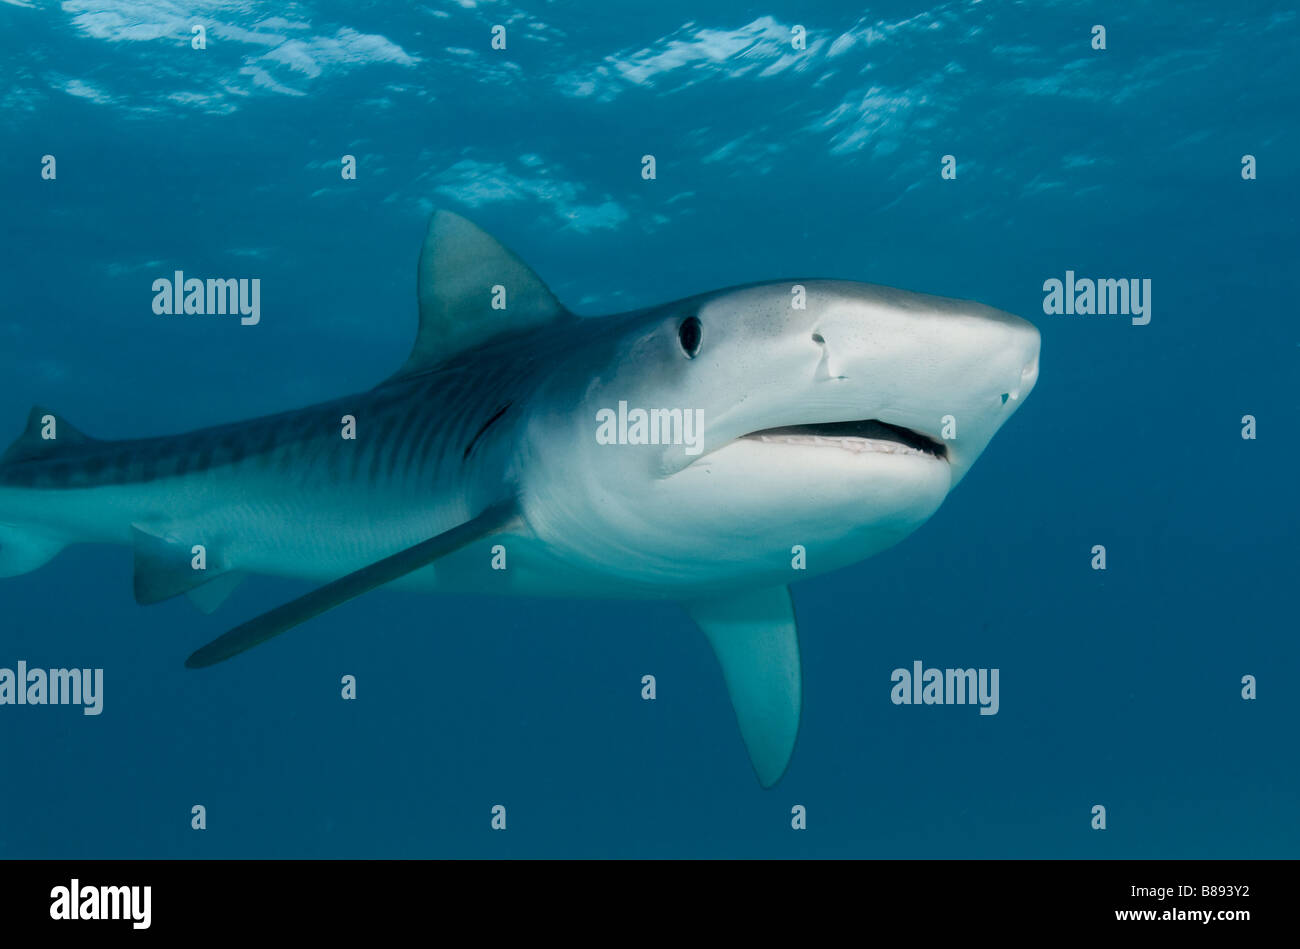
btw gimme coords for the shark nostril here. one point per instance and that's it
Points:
(1005, 396)
(824, 371)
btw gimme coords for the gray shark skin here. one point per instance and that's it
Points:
(834, 418)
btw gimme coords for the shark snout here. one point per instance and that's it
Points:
(999, 372)
(1028, 376)
(1024, 345)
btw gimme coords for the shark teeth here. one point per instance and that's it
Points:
(854, 444)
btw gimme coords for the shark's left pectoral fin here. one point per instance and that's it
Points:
(283, 618)
(755, 638)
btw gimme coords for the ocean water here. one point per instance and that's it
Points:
(1120, 688)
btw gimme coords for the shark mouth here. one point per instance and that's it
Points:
(864, 436)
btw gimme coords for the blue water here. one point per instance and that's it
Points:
(1120, 688)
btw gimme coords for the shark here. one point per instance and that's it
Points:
(777, 431)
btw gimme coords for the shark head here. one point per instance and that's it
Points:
(702, 443)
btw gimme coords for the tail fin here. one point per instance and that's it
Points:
(22, 548)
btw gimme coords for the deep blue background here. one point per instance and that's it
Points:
(1120, 688)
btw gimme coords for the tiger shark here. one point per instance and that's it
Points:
(707, 451)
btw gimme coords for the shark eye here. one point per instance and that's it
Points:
(689, 334)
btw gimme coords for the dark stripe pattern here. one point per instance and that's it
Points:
(420, 430)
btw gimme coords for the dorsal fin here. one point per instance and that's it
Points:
(459, 266)
(45, 434)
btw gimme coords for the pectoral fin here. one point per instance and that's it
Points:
(285, 617)
(754, 636)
